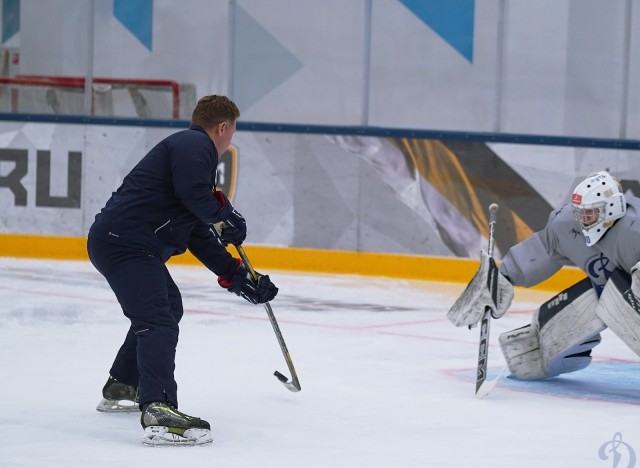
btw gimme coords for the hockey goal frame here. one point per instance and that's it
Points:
(79, 83)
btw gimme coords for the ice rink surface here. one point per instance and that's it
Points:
(386, 380)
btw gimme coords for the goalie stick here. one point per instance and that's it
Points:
(484, 386)
(294, 384)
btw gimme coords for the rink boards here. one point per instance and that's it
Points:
(400, 206)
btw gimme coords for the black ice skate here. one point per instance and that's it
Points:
(164, 425)
(118, 398)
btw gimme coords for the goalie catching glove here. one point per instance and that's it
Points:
(232, 228)
(488, 288)
(241, 284)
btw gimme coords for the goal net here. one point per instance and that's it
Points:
(152, 99)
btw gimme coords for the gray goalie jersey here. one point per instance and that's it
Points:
(561, 243)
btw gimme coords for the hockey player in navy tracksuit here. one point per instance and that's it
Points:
(599, 232)
(166, 205)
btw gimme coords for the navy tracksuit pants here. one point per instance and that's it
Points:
(151, 301)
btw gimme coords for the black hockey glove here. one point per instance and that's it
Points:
(231, 228)
(242, 285)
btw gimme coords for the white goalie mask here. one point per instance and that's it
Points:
(597, 203)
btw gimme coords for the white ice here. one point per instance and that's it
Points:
(386, 380)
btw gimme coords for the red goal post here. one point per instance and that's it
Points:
(123, 97)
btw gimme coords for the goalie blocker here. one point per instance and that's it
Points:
(487, 289)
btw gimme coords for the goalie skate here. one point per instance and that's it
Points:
(163, 436)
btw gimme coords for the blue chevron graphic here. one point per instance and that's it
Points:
(10, 18)
(137, 17)
(452, 20)
(260, 63)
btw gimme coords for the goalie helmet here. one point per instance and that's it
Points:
(597, 203)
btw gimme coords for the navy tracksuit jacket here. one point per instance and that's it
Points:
(163, 207)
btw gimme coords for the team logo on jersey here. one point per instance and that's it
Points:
(597, 267)
(228, 172)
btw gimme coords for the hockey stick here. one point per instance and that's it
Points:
(294, 384)
(483, 386)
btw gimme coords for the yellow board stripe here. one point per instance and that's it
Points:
(296, 259)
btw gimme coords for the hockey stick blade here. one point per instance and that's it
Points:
(294, 384)
(487, 386)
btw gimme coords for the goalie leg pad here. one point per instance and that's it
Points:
(566, 328)
(619, 308)
(569, 325)
(521, 350)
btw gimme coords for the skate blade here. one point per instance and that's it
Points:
(118, 406)
(159, 436)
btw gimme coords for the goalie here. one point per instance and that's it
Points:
(599, 232)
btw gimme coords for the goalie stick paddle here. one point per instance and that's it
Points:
(294, 384)
(484, 386)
